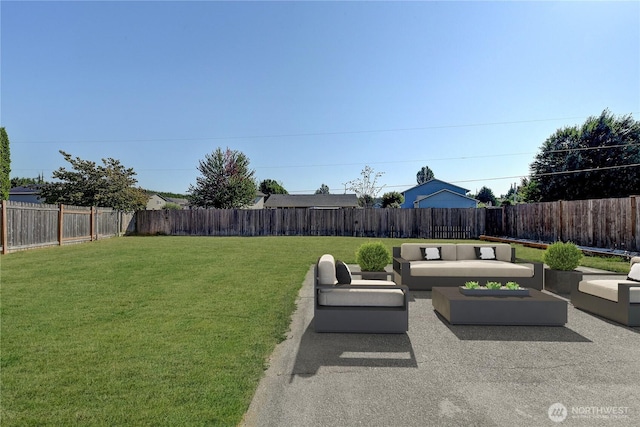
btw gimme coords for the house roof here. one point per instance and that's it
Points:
(466, 190)
(445, 190)
(28, 189)
(318, 201)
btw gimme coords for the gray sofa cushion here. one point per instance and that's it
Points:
(343, 297)
(472, 268)
(327, 270)
(412, 251)
(608, 289)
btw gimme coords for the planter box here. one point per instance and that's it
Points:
(560, 282)
(374, 275)
(494, 292)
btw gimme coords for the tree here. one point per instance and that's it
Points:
(324, 189)
(226, 181)
(528, 191)
(23, 182)
(599, 159)
(5, 165)
(425, 174)
(270, 186)
(486, 196)
(392, 199)
(366, 187)
(88, 184)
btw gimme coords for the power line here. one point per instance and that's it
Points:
(303, 134)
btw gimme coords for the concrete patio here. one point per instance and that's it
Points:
(583, 374)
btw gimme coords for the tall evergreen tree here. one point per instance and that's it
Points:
(5, 165)
(425, 174)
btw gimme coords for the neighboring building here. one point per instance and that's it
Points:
(438, 194)
(258, 202)
(311, 201)
(157, 202)
(26, 194)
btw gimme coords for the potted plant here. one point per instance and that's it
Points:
(373, 257)
(562, 259)
(492, 288)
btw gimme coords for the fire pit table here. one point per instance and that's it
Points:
(536, 309)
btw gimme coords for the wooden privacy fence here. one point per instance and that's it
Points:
(597, 223)
(421, 223)
(31, 225)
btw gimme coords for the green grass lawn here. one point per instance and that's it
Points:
(149, 330)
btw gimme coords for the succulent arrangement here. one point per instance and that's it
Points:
(512, 286)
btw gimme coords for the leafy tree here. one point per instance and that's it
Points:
(5, 165)
(324, 189)
(88, 184)
(23, 182)
(599, 159)
(486, 196)
(425, 174)
(270, 186)
(392, 199)
(226, 181)
(528, 191)
(366, 187)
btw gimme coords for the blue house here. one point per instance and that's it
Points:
(438, 194)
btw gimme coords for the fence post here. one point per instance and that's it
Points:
(5, 238)
(92, 225)
(634, 218)
(60, 223)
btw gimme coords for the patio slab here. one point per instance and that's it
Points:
(585, 373)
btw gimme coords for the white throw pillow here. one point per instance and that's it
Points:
(634, 273)
(486, 252)
(432, 254)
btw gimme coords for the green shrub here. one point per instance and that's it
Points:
(562, 256)
(373, 256)
(472, 285)
(512, 285)
(494, 285)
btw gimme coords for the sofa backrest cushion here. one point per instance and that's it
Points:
(412, 252)
(327, 270)
(466, 251)
(635, 260)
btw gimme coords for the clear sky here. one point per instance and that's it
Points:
(311, 92)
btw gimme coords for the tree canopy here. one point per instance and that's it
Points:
(486, 196)
(271, 186)
(88, 184)
(366, 187)
(425, 174)
(5, 165)
(226, 181)
(599, 159)
(324, 189)
(392, 199)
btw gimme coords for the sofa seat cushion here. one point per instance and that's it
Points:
(350, 297)
(608, 289)
(471, 268)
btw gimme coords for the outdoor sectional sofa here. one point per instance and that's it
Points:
(361, 306)
(613, 299)
(422, 266)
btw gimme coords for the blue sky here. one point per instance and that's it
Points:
(311, 92)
